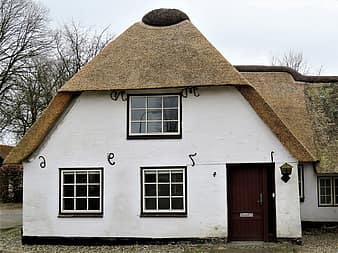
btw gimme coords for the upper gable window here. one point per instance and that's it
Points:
(154, 116)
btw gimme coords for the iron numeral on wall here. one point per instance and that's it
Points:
(43, 162)
(192, 159)
(110, 158)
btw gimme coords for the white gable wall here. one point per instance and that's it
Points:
(219, 125)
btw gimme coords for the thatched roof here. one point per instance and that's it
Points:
(156, 57)
(322, 104)
(306, 104)
(4, 151)
(179, 56)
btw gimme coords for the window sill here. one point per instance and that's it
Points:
(80, 215)
(164, 215)
(159, 136)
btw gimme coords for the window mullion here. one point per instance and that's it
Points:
(157, 196)
(146, 116)
(162, 119)
(74, 195)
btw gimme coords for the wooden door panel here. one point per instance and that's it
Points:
(246, 202)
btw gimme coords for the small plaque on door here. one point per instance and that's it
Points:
(246, 215)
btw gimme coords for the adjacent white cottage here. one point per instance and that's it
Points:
(159, 136)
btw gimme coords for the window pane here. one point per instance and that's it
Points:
(81, 177)
(94, 190)
(81, 204)
(170, 101)
(170, 114)
(177, 189)
(138, 102)
(150, 177)
(177, 203)
(93, 204)
(322, 200)
(138, 127)
(154, 114)
(68, 178)
(81, 190)
(94, 177)
(154, 127)
(163, 203)
(150, 203)
(176, 177)
(68, 191)
(163, 190)
(170, 126)
(137, 115)
(163, 177)
(150, 190)
(68, 204)
(154, 102)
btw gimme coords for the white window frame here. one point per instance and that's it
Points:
(169, 211)
(332, 189)
(78, 171)
(168, 134)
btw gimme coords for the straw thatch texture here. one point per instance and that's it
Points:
(156, 57)
(4, 151)
(36, 134)
(322, 103)
(164, 17)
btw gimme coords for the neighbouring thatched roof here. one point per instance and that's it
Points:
(4, 151)
(322, 104)
(308, 105)
(179, 56)
(156, 57)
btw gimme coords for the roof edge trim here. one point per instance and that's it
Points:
(296, 75)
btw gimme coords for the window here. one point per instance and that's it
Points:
(328, 191)
(81, 191)
(154, 116)
(163, 191)
(301, 181)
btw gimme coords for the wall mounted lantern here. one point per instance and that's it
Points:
(286, 170)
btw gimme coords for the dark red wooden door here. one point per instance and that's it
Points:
(247, 192)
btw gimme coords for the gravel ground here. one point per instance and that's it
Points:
(315, 241)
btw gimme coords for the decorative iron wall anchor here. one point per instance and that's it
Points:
(191, 90)
(191, 158)
(43, 162)
(110, 158)
(271, 156)
(116, 94)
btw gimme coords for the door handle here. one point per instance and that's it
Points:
(260, 200)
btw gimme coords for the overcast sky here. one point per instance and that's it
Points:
(244, 31)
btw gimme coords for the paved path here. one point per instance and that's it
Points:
(10, 218)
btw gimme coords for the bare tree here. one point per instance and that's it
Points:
(76, 46)
(296, 61)
(22, 36)
(72, 48)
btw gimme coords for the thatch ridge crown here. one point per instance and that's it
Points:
(164, 17)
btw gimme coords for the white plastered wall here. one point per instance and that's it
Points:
(310, 211)
(219, 125)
